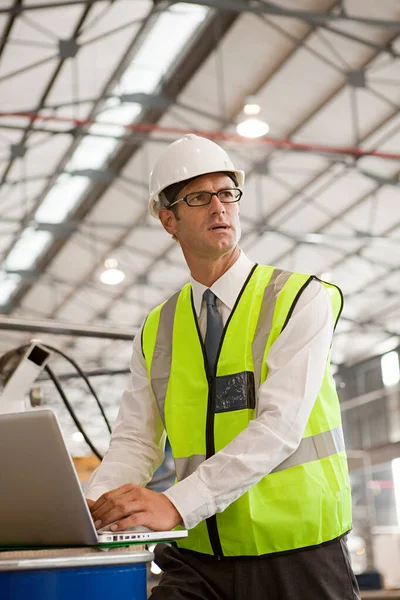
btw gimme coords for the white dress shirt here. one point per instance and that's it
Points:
(296, 363)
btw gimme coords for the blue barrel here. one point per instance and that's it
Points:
(26, 580)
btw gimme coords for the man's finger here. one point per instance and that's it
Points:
(130, 522)
(116, 512)
(114, 494)
(114, 499)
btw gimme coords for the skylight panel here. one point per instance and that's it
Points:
(115, 118)
(92, 153)
(61, 198)
(27, 250)
(8, 285)
(138, 79)
(172, 30)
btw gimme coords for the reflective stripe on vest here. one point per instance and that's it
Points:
(161, 367)
(312, 448)
(264, 323)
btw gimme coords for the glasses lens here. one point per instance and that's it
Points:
(201, 198)
(198, 198)
(232, 195)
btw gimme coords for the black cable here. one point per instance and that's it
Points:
(71, 411)
(77, 367)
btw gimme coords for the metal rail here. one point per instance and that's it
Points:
(54, 327)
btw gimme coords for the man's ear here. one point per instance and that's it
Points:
(168, 220)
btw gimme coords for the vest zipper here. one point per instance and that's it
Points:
(212, 526)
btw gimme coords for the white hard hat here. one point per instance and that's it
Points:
(190, 156)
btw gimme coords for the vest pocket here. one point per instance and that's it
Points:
(235, 392)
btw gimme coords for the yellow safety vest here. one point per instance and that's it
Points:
(304, 501)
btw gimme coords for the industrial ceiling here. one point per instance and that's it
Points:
(92, 91)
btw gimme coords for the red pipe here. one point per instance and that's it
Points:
(217, 135)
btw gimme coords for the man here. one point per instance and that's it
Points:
(235, 369)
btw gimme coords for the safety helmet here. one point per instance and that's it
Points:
(190, 156)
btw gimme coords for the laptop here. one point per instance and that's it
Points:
(41, 499)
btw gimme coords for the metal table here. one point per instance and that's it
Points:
(74, 574)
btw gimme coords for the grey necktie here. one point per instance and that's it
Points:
(214, 329)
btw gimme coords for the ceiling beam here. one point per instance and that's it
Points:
(386, 49)
(311, 17)
(9, 25)
(19, 8)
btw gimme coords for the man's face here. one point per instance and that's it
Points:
(210, 230)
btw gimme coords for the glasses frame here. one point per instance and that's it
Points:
(184, 199)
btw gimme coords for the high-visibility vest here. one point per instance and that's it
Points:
(305, 500)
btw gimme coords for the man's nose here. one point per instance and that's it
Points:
(216, 205)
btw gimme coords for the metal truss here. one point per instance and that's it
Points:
(20, 8)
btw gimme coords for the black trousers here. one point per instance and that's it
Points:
(317, 573)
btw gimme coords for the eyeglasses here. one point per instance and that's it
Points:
(202, 198)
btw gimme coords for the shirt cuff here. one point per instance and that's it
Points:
(192, 500)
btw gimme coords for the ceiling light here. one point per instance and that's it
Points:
(77, 436)
(250, 125)
(8, 284)
(252, 128)
(111, 274)
(251, 109)
(30, 245)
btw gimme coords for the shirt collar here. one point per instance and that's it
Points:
(227, 287)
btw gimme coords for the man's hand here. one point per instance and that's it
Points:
(131, 505)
